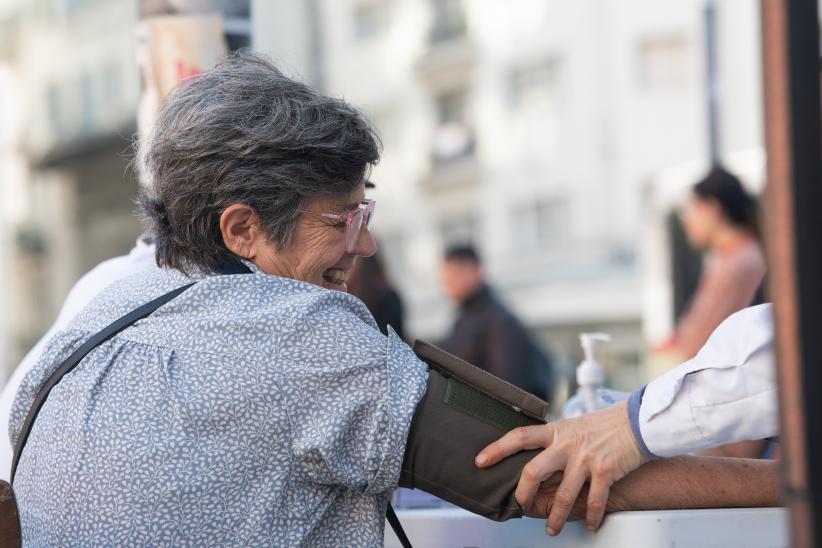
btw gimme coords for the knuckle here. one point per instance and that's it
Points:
(603, 468)
(596, 507)
(565, 444)
(530, 472)
(586, 459)
(522, 434)
(563, 500)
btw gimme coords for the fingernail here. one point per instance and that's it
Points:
(481, 458)
(551, 531)
(591, 527)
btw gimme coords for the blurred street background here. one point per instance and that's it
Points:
(560, 137)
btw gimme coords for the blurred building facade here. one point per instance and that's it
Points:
(70, 204)
(532, 128)
(72, 66)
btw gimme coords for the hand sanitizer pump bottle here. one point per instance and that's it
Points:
(590, 395)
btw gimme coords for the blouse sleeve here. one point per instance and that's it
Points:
(351, 394)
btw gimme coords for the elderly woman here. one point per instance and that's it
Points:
(262, 406)
(259, 408)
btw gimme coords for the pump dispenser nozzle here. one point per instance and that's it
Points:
(589, 342)
(590, 372)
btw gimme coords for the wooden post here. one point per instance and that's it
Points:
(793, 215)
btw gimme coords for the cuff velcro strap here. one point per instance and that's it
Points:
(483, 381)
(468, 399)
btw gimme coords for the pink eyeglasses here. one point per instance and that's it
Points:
(354, 220)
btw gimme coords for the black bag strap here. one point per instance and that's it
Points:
(72, 361)
(394, 521)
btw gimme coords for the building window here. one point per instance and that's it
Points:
(55, 109)
(535, 109)
(64, 114)
(109, 94)
(387, 122)
(370, 20)
(453, 137)
(540, 225)
(664, 62)
(449, 20)
(459, 230)
(87, 94)
(533, 87)
(111, 88)
(73, 5)
(451, 107)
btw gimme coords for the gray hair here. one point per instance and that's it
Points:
(245, 133)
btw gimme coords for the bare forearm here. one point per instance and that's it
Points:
(698, 482)
(682, 483)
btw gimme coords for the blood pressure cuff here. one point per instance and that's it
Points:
(464, 409)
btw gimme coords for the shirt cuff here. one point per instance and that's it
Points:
(634, 403)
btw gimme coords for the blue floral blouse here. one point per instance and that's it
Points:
(252, 410)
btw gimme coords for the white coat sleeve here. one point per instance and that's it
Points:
(725, 394)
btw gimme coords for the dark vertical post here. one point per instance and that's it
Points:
(793, 121)
(712, 81)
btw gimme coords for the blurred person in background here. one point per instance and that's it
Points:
(486, 333)
(369, 283)
(721, 218)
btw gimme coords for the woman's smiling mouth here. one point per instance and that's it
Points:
(336, 277)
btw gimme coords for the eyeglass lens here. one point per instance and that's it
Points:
(354, 228)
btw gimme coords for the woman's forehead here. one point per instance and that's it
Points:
(345, 202)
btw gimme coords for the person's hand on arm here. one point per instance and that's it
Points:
(598, 448)
(727, 393)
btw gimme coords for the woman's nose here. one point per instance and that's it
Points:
(365, 245)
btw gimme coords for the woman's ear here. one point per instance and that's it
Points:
(240, 227)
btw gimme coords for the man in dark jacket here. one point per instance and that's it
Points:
(486, 333)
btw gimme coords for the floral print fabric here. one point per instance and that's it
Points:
(251, 410)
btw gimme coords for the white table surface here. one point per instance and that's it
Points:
(724, 528)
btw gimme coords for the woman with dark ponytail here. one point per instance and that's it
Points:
(721, 218)
(738, 208)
